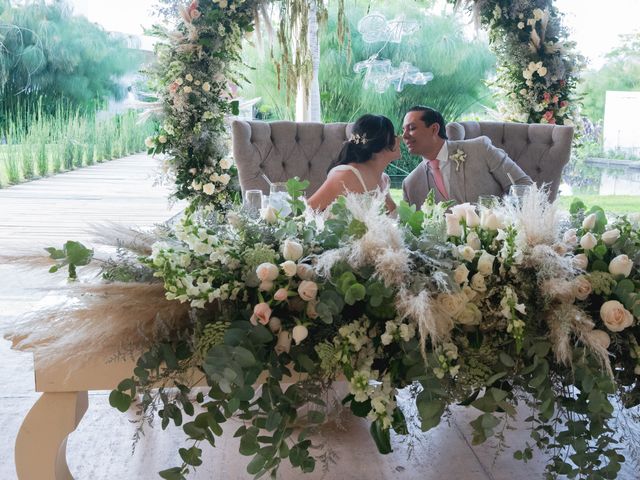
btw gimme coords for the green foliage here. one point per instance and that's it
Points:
(48, 53)
(621, 72)
(73, 254)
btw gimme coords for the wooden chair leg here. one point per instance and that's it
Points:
(41, 445)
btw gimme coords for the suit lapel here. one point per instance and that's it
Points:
(457, 189)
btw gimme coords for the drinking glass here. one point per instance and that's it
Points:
(488, 201)
(519, 191)
(253, 202)
(279, 198)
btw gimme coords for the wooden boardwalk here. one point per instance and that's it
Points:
(61, 207)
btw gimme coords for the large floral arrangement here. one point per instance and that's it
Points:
(487, 308)
(538, 66)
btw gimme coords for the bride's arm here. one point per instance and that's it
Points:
(389, 203)
(335, 185)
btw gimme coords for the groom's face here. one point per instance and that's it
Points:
(419, 138)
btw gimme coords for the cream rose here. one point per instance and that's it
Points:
(225, 163)
(149, 142)
(300, 332)
(489, 220)
(472, 218)
(225, 178)
(206, 86)
(588, 241)
(581, 261)
(267, 271)
(269, 214)
(611, 236)
(209, 188)
(289, 268)
(589, 221)
(485, 263)
(615, 317)
(478, 283)
(461, 209)
(281, 295)
(582, 287)
(466, 252)
(621, 265)
(473, 240)
(308, 290)
(266, 286)
(292, 250)
(471, 315)
(451, 304)
(454, 229)
(305, 272)
(275, 324)
(261, 313)
(461, 274)
(570, 237)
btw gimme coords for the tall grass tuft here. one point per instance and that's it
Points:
(36, 143)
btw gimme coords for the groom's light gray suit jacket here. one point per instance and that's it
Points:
(484, 172)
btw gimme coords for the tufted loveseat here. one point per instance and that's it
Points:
(282, 149)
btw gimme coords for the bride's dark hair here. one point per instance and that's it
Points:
(371, 134)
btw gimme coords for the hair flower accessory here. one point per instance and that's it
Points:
(358, 139)
(459, 157)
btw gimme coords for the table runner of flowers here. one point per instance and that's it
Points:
(488, 308)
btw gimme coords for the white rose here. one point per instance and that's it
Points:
(461, 274)
(471, 315)
(621, 265)
(581, 261)
(611, 236)
(582, 287)
(305, 272)
(300, 332)
(208, 188)
(615, 317)
(570, 237)
(477, 283)
(589, 221)
(196, 185)
(269, 214)
(452, 304)
(267, 272)
(473, 240)
(599, 337)
(189, 77)
(179, 81)
(149, 142)
(489, 220)
(206, 86)
(588, 241)
(542, 71)
(472, 218)
(520, 25)
(461, 209)
(466, 252)
(485, 263)
(454, 229)
(225, 163)
(469, 293)
(308, 290)
(224, 178)
(292, 250)
(289, 267)
(162, 139)
(187, 89)
(284, 342)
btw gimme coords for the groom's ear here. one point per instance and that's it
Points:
(435, 126)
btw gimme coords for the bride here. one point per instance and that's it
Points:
(360, 165)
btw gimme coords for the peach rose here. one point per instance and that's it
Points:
(615, 317)
(582, 287)
(267, 271)
(261, 313)
(281, 295)
(308, 290)
(621, 265)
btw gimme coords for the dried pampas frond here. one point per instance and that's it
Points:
(534, 217)
(99, 319)
(420, 309)
(566, 320)
(121, 236)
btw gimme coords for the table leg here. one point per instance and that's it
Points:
(41, 446)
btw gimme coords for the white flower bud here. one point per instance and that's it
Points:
(300, 332)
(589, 221)
(292, 250)
(588, 241)
(621, 265)
(289, 267)
(611, 236)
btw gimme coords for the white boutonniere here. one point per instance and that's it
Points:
(459, 157)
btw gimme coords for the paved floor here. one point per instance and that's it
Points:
(48, 212)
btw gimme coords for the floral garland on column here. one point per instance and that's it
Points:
(538, 66)
(195, 64)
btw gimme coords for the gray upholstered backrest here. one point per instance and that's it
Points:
(541, 151)
(282, 150)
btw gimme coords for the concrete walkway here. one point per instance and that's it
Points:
(50, 211)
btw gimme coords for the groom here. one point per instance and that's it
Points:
(457, 170)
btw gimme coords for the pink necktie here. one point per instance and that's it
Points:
(437, 176)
